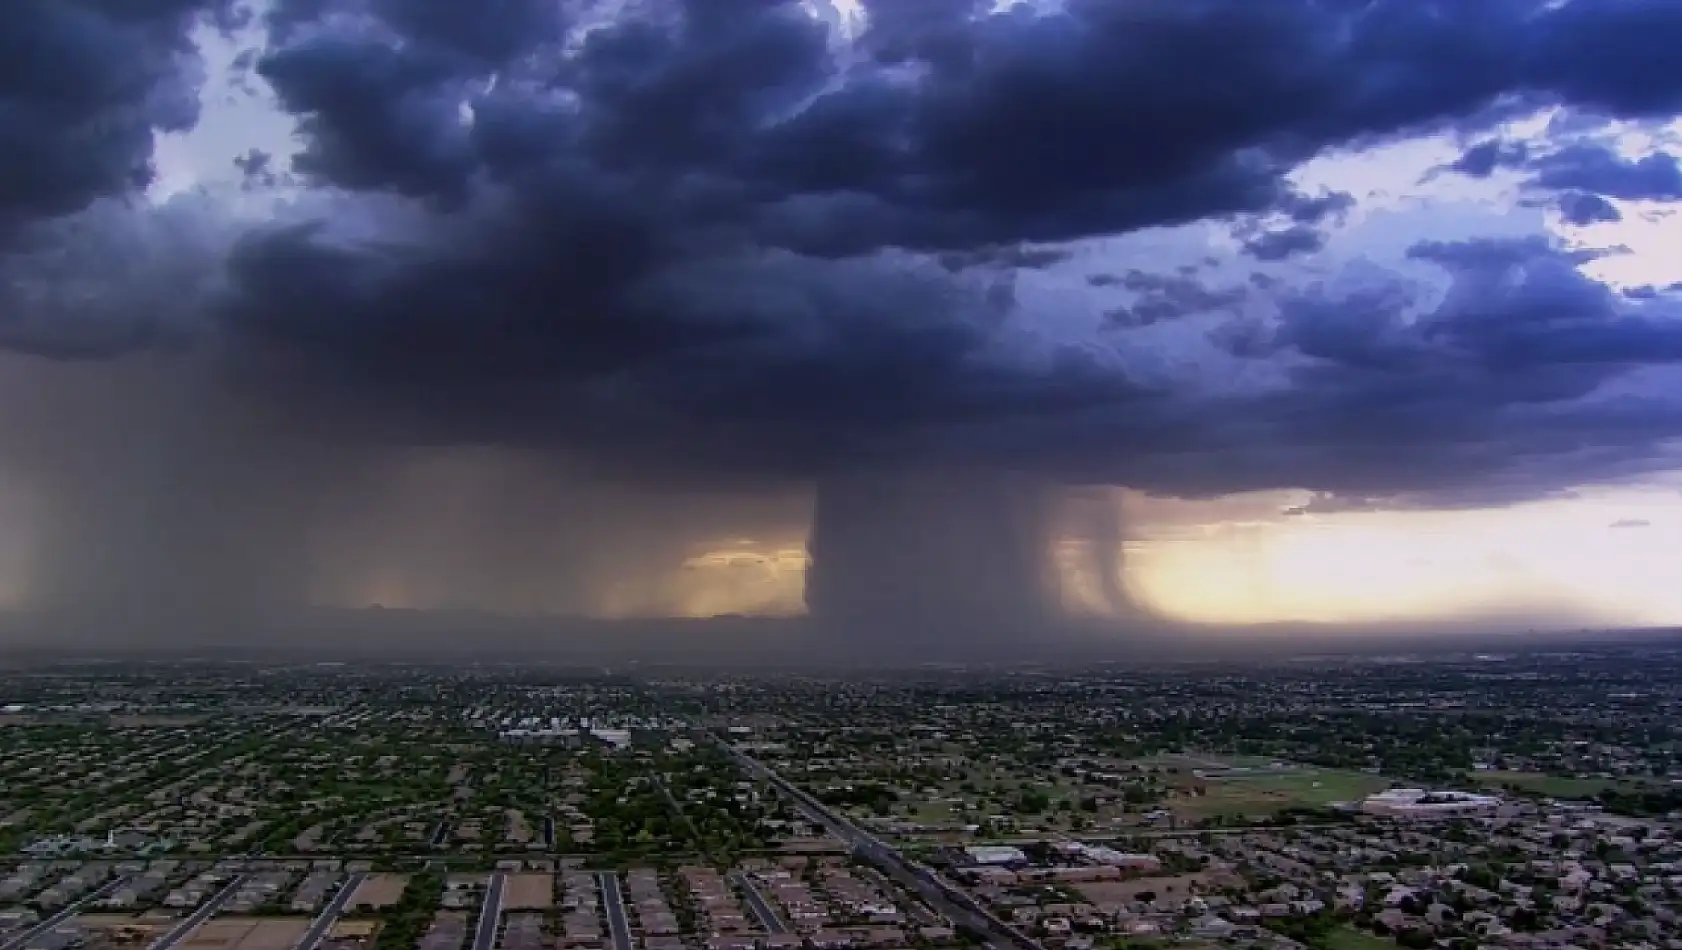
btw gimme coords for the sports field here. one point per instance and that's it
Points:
(1207, 784)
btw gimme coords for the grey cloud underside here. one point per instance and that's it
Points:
(703, 237)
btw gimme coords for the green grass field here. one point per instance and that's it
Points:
(1552, 785)
(933, 812)
(1264, 793)
(1556, 786)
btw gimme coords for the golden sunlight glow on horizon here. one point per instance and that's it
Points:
(737, 579)
(1614, 556)
(1610, 555)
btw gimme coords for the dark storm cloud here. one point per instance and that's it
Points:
(376, 117)
(84, 84)
(256, 167)
(110, 281)
(1313, 209)
(1273, 246)
(1583, 174)
(698, 240)
(1297, 226)
(714, 131)
(1598, 170)
(1650, 292)
(1583, 209)
(493, 32)
(741, 102)
(1518, 318)
(1484, 158)
(1005, 258)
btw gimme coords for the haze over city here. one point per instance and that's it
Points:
(940, 320)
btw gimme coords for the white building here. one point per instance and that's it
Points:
(1110, 857)
(1419, 803)
(996, 856)
(615, 738)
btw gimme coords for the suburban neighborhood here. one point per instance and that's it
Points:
(1525, 802)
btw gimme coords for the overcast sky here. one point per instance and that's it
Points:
(1225, 311)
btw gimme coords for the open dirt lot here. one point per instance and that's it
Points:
(379, 891)
(247, 933)
(530, 892)
(120, 928)
(1123, 892)
(355, 929)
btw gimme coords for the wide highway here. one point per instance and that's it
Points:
(958, 906)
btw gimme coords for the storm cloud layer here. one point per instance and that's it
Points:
(715, 248)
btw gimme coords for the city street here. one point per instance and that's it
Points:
(323, 923)
(490, 914)
(761, 909)
(23, 939)
(615, 904)
(206, 911)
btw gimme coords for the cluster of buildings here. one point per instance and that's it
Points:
(1069, 862)
(1516, 875)
(718, 909)
(651, 913)
(51, 886)
(824, 903)
(1418, 803)
(794, 904)
(558, 732)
